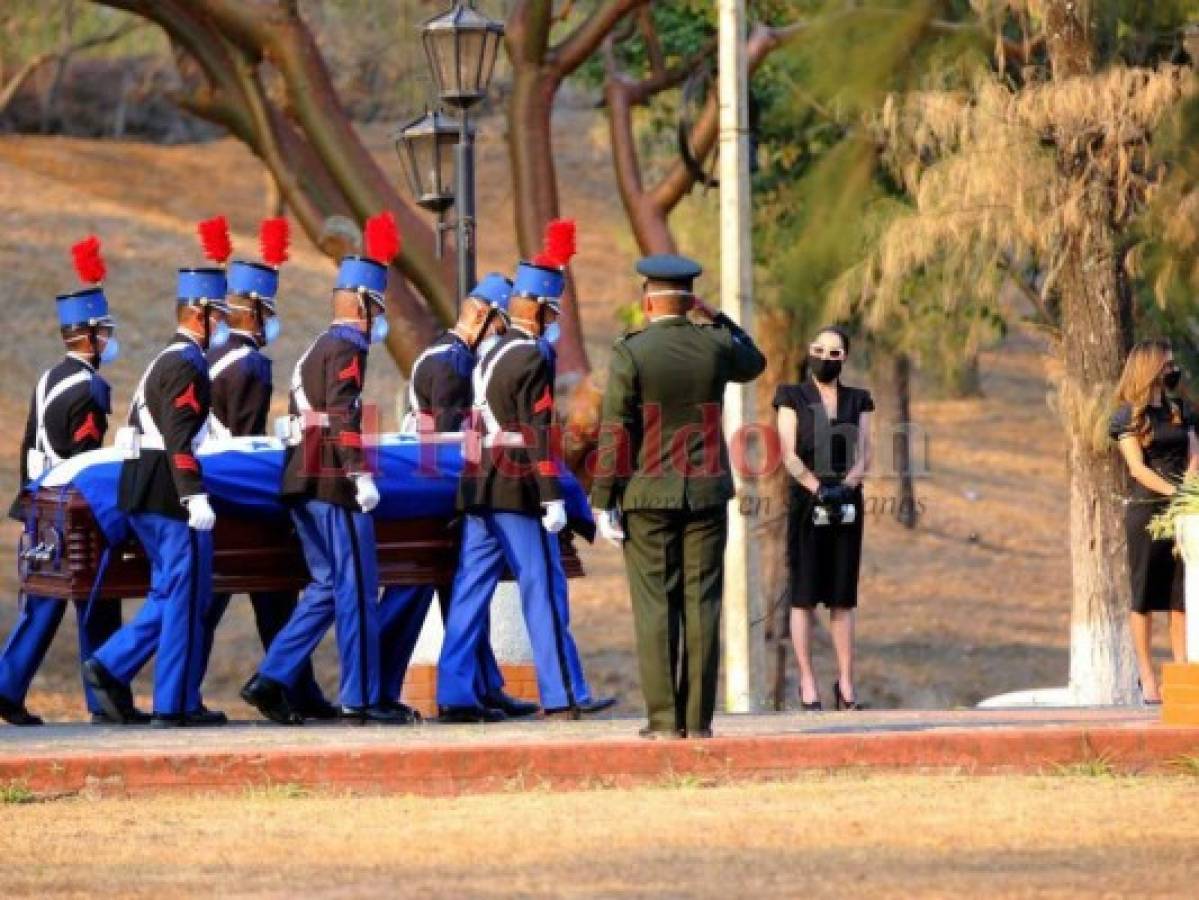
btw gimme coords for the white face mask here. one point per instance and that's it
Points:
(553, 331)
(219, 336)
(270, 330)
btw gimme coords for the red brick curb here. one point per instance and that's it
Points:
(439, 769)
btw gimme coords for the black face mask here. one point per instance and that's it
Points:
(1172, 379)
(826, 371)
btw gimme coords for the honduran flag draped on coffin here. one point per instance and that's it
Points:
(242, 477)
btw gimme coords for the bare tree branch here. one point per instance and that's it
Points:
(577, 47)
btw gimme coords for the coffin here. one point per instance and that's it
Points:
(61, 554)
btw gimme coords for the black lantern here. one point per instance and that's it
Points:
(426, 149)
(461, 45)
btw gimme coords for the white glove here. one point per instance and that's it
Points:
(199, 512)
(554, 519)
(608, 523)
(365, 492)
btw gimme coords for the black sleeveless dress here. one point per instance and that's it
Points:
(824, 560)
(1156, 573)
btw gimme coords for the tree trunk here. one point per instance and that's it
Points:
(1096, 333)
(891, 374)
(1095, 338)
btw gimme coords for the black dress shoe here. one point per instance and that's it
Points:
(466, 714)
(168, 720)
(698, 733)
(316, 708)
(130, 713)
(135, 716)
(660, 734)
(206, 718)
(373, 715)
(510, 706)
(597, 704)
(17, 714)
(269, 697)
(112, 694)
(406, 712)
(567, 713)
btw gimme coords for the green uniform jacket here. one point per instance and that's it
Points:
(661, 445)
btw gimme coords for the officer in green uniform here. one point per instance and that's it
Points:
(663, 484)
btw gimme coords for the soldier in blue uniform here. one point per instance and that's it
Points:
(162, 491)
(68, 415)
(513, 505)
(439, 401)
(241, 400)
(328, 484)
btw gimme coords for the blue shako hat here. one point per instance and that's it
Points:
(260, 280)
(544, 277)
(207, 285)
(495, 289)
(539, 282)
(359, 273)
(86, 307)
(368, 273)
(256, 280)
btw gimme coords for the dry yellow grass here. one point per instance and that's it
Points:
(821, 836)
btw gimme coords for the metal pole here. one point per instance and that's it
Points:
(464, 161)
(744, 622)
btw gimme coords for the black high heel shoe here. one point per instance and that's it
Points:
(814, 706)
(842, 703)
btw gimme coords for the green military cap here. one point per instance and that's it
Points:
(669, 267)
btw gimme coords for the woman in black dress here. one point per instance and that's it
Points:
(1156, 436)
(825, 431)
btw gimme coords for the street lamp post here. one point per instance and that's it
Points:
(461, 46)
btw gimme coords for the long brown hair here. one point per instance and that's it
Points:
(1142, 375)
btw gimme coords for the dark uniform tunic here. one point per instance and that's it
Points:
(824, 560)
(519, 399)
(440, 389)
(76, 421)
(663, 460)
(177, 396)
(332, 372)
(241, 387)
(1157, 575)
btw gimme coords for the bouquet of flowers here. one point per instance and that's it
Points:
(1184, 502)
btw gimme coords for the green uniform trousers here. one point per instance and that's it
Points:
(675, 562)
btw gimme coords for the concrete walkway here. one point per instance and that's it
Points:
(442, 759)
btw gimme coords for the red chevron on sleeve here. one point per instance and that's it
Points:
(186, 462)
(546, 402)
(547, 468)
(352, 372)
(89, 429)
(187, 399)
(350, 439)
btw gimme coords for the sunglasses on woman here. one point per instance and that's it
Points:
(822, 352)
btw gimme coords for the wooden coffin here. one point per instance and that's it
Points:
(64, 553)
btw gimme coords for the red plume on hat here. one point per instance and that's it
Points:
(559, 245)
(89, 264)
(274, 239)
(381, 237)
(214, 237)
